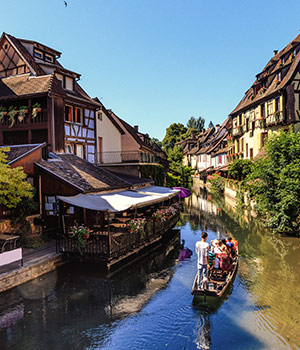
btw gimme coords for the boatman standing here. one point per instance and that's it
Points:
(202, 250)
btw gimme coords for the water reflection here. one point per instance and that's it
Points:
(72, 301)
(269, 270)
(148, 305)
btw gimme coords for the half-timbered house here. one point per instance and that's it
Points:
(272, 102)
(41, 101)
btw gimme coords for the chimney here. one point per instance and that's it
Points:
(217, 127)
(275, 52)
(136, 128)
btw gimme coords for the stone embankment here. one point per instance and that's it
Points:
(35, 263)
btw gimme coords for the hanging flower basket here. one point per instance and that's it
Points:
(36, 109)
(12, 112)
(22, 113)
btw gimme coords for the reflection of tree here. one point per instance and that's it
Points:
(269, 269)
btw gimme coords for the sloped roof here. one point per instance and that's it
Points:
(269, 73)
(81, 174)
(131, 131)
(17, 152)
(25, 84)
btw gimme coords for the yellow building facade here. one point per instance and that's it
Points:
(271, 103)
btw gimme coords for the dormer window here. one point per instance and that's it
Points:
(49, 58)
(279, 76)
(38, 54)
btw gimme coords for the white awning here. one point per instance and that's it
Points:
(122, 200)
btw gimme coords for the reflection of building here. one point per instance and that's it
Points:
(272, 102)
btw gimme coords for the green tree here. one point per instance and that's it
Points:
(240, 168)
(173, 133)
(13, 188)
(274, 182)
(194, 123)
(155, 140)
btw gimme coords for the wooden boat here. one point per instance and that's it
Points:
(217, 281)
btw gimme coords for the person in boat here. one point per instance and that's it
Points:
(230, 247)
(202, 250)
(225, 260)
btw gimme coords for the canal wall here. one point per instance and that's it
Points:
(29, 271)
(230, 193)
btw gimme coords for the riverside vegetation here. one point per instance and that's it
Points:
(272, 181)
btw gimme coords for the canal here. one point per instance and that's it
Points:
(148, 305)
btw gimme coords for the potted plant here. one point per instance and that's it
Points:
(137, 225)
(12, 111)
(36, 109)
(81, 234)
(3, 113)
(22, 113)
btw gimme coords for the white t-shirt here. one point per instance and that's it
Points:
(202, 249)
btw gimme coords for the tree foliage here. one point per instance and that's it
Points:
(274, 182)
(173, 133)
(240, 168)
(197, 124)
(13, 188)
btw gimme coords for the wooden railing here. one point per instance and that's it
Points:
(107, 245)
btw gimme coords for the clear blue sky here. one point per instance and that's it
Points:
(155, 62)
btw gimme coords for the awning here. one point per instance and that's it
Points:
(122, 200)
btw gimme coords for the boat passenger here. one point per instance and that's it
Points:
(230, 245)
(211, 258)
(225, 260)
(202, 249)
(218, 248)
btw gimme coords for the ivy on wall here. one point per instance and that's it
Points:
(154, 172)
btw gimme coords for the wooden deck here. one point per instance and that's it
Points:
(115, 245)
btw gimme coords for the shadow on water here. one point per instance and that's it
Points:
(59, 309)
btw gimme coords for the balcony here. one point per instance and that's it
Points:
(27, 120)
(238, 131)
(275, 118)
(126, 157)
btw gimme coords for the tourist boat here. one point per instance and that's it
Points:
(217, 283)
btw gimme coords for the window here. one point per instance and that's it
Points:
(68, 113)
(77, 115)
(270, 107)
(262, 110)
(80, 151)
(251, 152)
(279, 76)
(99, 115)
(277, 104)
(38, 53)
(246, 150)
(49, 58)
(240, 119)
(73, 114)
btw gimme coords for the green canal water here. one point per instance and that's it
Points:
(148, 305)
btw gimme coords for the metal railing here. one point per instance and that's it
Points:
(126, 157)
(107, 245)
